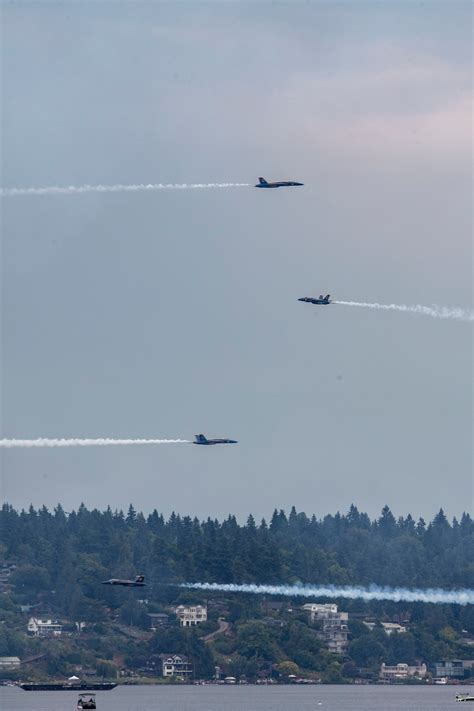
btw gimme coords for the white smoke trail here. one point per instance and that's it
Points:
(434, 311)
(374, 592)
(142, 187)
(44, 442)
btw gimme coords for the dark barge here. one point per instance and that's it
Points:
(67, 686)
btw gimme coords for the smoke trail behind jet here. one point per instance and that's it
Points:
(442, 312)
(142, 187)
(374, 592)
(44, 442)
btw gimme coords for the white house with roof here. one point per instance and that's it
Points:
(192, 615)
(388, 627)
(44, 628)
(391, 627)
(402, 671)
(176, 665)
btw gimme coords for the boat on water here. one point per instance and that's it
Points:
(86, 701)
(464, 697)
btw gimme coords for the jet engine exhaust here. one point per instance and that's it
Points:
(142, 187)
(374, 592)
(442, 312)
(106, 442)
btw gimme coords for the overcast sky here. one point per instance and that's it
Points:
(170, 313)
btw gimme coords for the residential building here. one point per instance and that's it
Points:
(390, 627)
(190, 616)
(158, 619)
(334, 625)
(402, 671)
(176, 665)
(318, 611)
(44, 628)
(454, 668)
(7, 663)
(335, 632)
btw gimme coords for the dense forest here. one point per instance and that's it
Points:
(58, 561)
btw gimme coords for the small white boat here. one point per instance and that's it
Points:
(464, 697)
(86, 701)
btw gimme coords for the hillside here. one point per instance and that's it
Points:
(53, 565)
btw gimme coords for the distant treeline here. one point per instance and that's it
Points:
(87, 546)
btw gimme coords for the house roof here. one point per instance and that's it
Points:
(173, 657)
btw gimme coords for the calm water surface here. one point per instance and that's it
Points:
(243, 698)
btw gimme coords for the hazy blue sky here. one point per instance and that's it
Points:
(166, 314)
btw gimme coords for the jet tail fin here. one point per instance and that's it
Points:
(200, 438)
(327, 297)
(140, 579)
(262, 181)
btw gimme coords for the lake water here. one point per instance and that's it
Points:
(243, 698)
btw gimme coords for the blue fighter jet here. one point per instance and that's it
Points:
(139, 582)
(262, 183)
(201, 439)
(322, 301)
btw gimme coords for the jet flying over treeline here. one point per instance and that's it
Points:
(201, 439)
(139, 582)
(322, 300)
(262, 183)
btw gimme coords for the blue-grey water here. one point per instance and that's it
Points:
(243, 698)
